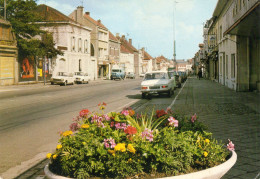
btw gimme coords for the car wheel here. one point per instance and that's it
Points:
(82, 82)
(52, 83)
(169, 93)
(72, 83)
(143, 95)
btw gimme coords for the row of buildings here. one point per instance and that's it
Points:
(230, 51)
(88, 47)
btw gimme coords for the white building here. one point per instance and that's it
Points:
(73, 39)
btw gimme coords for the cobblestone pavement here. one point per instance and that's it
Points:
(228, 114)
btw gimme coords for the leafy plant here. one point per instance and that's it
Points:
(122, 145)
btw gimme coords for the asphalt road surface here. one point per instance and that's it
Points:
(32, 116)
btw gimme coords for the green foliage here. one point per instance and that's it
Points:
(172, 150)
(24, 18)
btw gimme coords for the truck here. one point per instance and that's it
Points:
(117, 73)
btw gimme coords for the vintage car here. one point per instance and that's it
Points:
(81, 77)
(130, 75)
(63, 78)
(175, 75)
(157, 82)
(117, 73)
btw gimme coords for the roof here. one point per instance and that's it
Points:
(97, 23)
(147, 56)
(112, 37)
(50, 14)
(161, 59)
(127, 45)
(123, 49)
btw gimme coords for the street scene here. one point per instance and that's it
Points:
(147, 90)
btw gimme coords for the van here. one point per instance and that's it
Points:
(117, 74)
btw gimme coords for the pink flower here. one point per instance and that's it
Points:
(74, 127)
(173, 121)
(109, 141)
(194, 118)
(147, 134)
(230, 145)
(106, 117)
(125, 112)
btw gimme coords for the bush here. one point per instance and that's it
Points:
(121, 145)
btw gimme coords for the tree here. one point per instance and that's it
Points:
(23, 17)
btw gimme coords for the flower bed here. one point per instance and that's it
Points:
(127, 144)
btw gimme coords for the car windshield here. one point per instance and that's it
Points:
(78, 73)
(115, 70)
(151, 76)
(62, 74)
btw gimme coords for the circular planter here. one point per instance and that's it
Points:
(211, 173)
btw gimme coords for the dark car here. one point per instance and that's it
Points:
(176, 77)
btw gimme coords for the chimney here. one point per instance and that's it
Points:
(130, 41)
(79, 14)
(87, 13)
(117, 34)
(99, 21)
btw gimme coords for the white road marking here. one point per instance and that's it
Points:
(177, 95)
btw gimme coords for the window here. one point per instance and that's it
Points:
(92, 50)
(73, 43)
(79, 45)
(220, 32)
(220, 64)
(227, 66)
(233, 66)
(79, 64)
(86, 46)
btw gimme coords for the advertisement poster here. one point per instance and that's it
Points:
(27, 69)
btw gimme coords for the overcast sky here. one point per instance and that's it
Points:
(149, 23)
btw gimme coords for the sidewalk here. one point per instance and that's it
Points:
(228, 114)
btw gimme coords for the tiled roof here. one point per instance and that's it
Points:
(161, 59)
(147, 56)
(50, 14)
(112, 37)
(97, 23)
(127, 45)
(123, 49)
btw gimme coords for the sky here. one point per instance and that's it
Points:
(152, 24)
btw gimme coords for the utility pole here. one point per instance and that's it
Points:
(174, 41)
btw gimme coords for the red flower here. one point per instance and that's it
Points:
(160, 113)
(83, 112)
(130, 130)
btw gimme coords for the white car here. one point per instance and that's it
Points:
(63, 78)
(157, 82)
(81, 77)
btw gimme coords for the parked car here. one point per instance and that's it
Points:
(141, 74)
(81, 77)
(175, 75)
(157, 82)
(117, 74)
(130, 75)
(63, 78)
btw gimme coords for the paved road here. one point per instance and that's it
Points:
(31, 116)
(229, 115)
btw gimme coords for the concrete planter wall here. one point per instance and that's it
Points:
(211, 173)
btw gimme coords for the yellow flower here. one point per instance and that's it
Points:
(84, 143)
(59, 146)
(67, 133)
(130, 160)
(112, 152)
(54, 156)
(205, 154)
(131, 148)
(199, 146)
(207, 140)
(48, 155)
(84, 126)
(120, 147)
